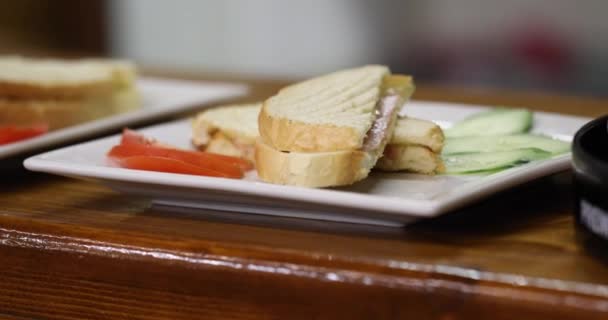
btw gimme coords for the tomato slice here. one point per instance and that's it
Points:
(10, 134)
(136, 151)
(152, 163)
(132, 138)
(199, 159)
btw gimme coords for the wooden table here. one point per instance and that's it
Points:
(73, 249)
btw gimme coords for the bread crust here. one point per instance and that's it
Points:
(72, 91)
(294, 168)
(289, 135)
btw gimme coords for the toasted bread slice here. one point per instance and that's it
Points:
(312, 169)
(24, 78)
(327, 113)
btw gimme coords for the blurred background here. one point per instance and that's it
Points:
(541, 45)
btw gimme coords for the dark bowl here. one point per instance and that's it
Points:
(590, 164)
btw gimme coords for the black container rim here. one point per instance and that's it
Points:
(585, 160)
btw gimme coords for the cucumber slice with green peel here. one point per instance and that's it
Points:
(498, 121)
(490, 161)
(504, 143)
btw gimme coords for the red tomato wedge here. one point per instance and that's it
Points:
(10, 134)
(151, 163)
(200, 159)
(133, 139)
(136, 151)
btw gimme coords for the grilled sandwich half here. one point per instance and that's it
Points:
(414, 144)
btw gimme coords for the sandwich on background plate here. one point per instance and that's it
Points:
(61, 93)
(327, 131)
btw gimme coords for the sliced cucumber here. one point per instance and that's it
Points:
(498, 121)
(490, 161)
(504, 143)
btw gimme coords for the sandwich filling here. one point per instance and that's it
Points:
(377, 134)
(395, 90)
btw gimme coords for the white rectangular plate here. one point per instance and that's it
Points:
(381, 199)
(161, 97)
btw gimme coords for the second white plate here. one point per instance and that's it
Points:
(161, 97)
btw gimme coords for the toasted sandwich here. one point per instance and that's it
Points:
(330, 130)
(60, 93)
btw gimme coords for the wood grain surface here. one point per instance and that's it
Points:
(74, 249)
